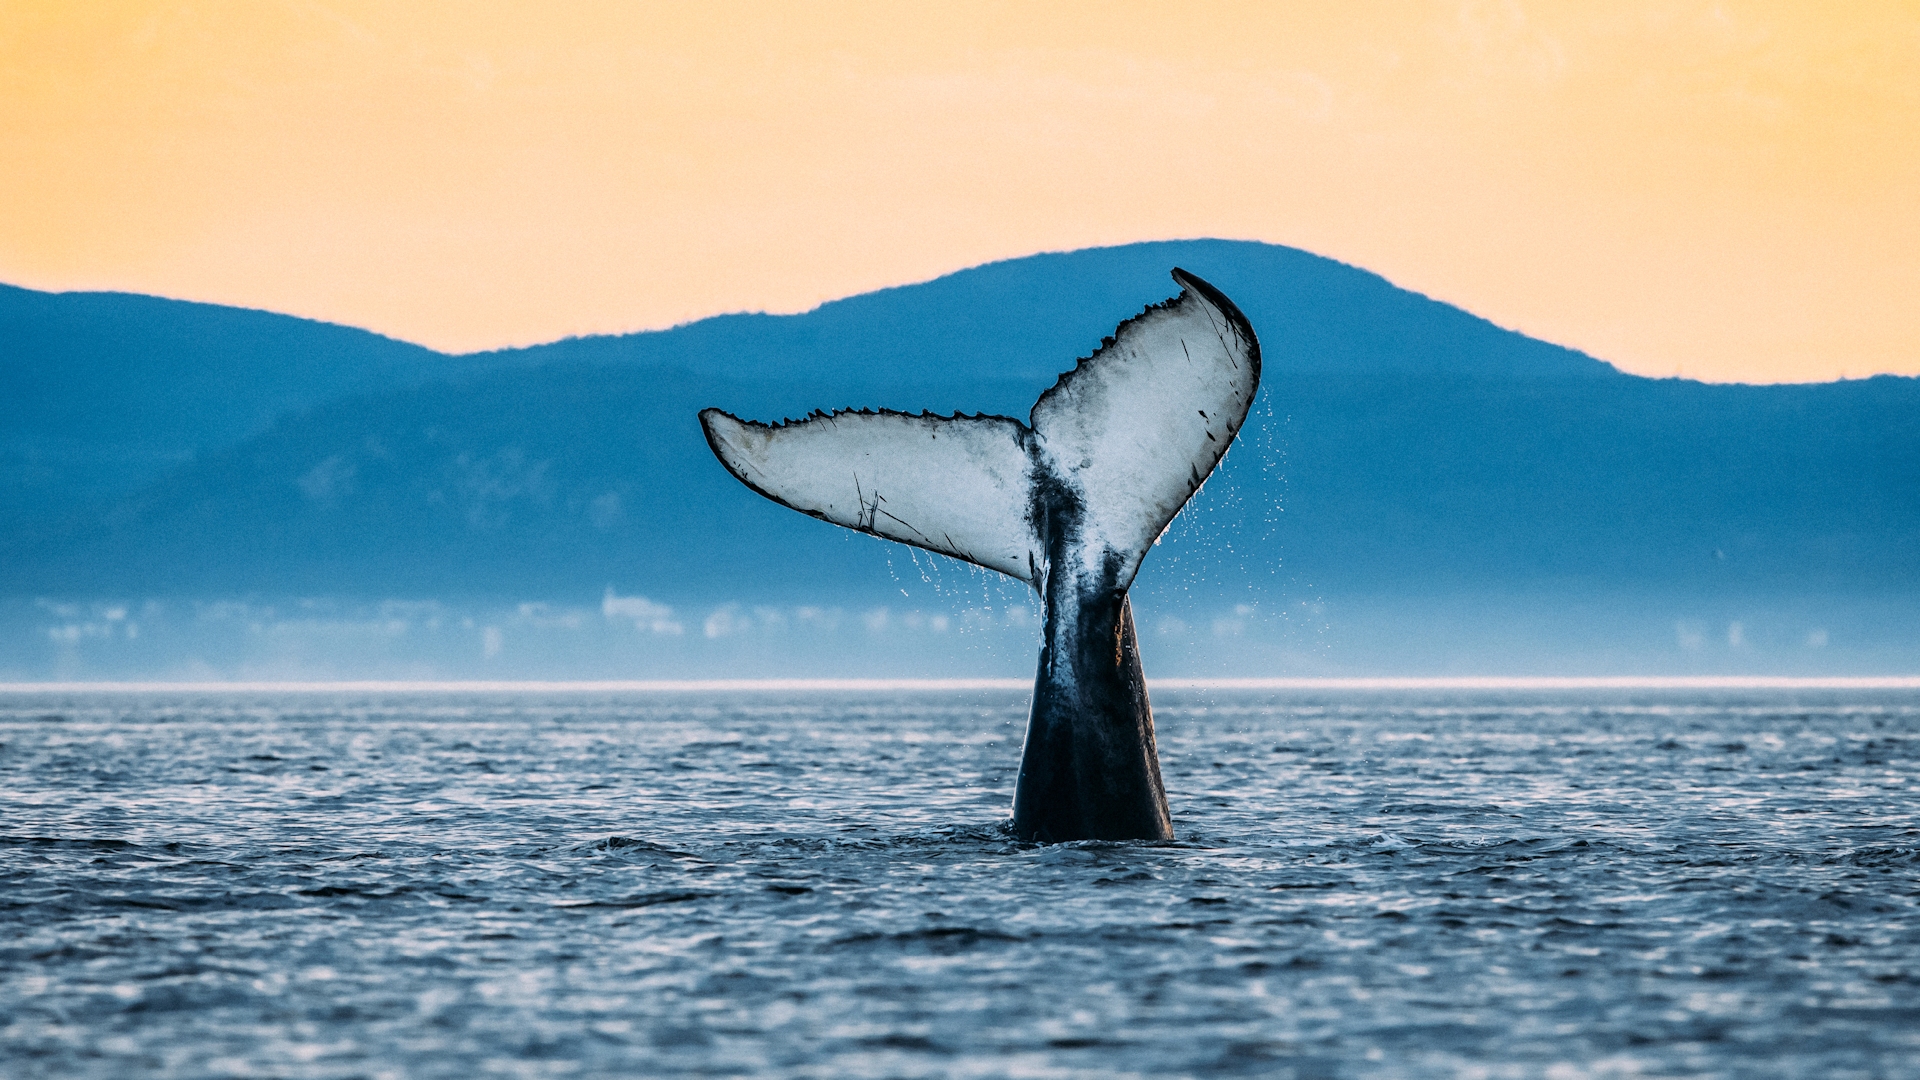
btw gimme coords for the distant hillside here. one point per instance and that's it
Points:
(1402, 449)
(109, 391)
(1030, 318)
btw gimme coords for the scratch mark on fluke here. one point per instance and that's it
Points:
(1069, 501)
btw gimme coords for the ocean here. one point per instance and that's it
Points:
(820, 883)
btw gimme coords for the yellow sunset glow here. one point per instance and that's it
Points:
(1730, 191)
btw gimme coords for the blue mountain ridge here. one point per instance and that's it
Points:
(1401, 448)
(106, 392)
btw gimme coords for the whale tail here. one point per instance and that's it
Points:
(1070, 501)
(1117, 445)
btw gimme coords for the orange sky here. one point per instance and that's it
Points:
(1729, 191)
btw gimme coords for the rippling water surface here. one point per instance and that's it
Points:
(820, 884)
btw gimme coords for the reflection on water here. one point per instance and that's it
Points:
(818, 883)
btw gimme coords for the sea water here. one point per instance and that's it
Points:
(822, 884)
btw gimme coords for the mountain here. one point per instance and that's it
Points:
(108, 391)
(1029, 318)
(1403, 453)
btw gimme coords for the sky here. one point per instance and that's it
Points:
(1724, 191)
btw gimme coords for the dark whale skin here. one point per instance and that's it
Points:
(1089, 769)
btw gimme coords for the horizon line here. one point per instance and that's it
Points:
(1469, 682)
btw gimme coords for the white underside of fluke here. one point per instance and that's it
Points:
(1128, 435)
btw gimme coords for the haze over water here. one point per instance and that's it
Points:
(819, 883)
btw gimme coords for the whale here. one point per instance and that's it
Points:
(1069, 501)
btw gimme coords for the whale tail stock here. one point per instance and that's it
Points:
(1069, 501)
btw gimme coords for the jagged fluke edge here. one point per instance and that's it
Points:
(832, 414)
(1022, 433)
(1237, 321)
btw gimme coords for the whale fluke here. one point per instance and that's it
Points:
(1069, 501)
